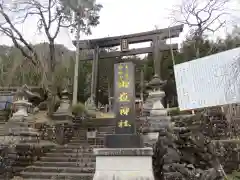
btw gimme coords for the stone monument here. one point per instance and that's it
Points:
(124, 157)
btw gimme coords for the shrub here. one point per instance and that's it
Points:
(234, 176)
(78, 109)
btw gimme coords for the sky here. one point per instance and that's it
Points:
(117, 17)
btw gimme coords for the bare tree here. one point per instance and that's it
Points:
(201, 16)
(52, 15)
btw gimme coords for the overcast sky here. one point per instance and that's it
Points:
(117, 17)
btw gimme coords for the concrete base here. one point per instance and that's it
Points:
(123, 164)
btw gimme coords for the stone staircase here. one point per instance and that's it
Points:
(74, 160)
(2, 128)
(3, 119)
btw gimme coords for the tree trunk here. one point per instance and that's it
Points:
(52, 87)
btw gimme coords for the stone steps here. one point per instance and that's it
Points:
(69, 154)
(66, 159)
(77, 148)
(89, 142)
(60, 169)
(73, 161)
(70, 150)
(64, 164)
(85, 139)
(2, 128)
(57, 176)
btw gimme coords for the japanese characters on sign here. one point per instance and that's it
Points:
(124, 45)
(125, 98)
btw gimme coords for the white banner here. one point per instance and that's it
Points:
(209, 81)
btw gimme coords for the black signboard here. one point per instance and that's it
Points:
(124, 106)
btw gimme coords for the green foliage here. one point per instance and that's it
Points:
(15, 71)
(234, 176)
(84, 80)
(176, 111)
(78, 109)
(87, 14)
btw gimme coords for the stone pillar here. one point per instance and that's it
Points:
(124, 157)
(123, 164)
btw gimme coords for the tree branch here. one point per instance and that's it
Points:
(14, 29)
(58, 27)
(203, 14)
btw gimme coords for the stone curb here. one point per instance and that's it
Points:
(123, 152)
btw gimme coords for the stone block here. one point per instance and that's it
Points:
(123, 141)
(123, 164)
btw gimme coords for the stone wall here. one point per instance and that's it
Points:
(228, 153)
(227, 150)
(233, 116)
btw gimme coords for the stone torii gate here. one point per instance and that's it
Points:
(157, 37)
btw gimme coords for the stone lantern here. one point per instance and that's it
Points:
(62, 120)
(18, 124)
(63, 113)
(157, 116)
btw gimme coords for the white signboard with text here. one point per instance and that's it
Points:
(209, 81)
